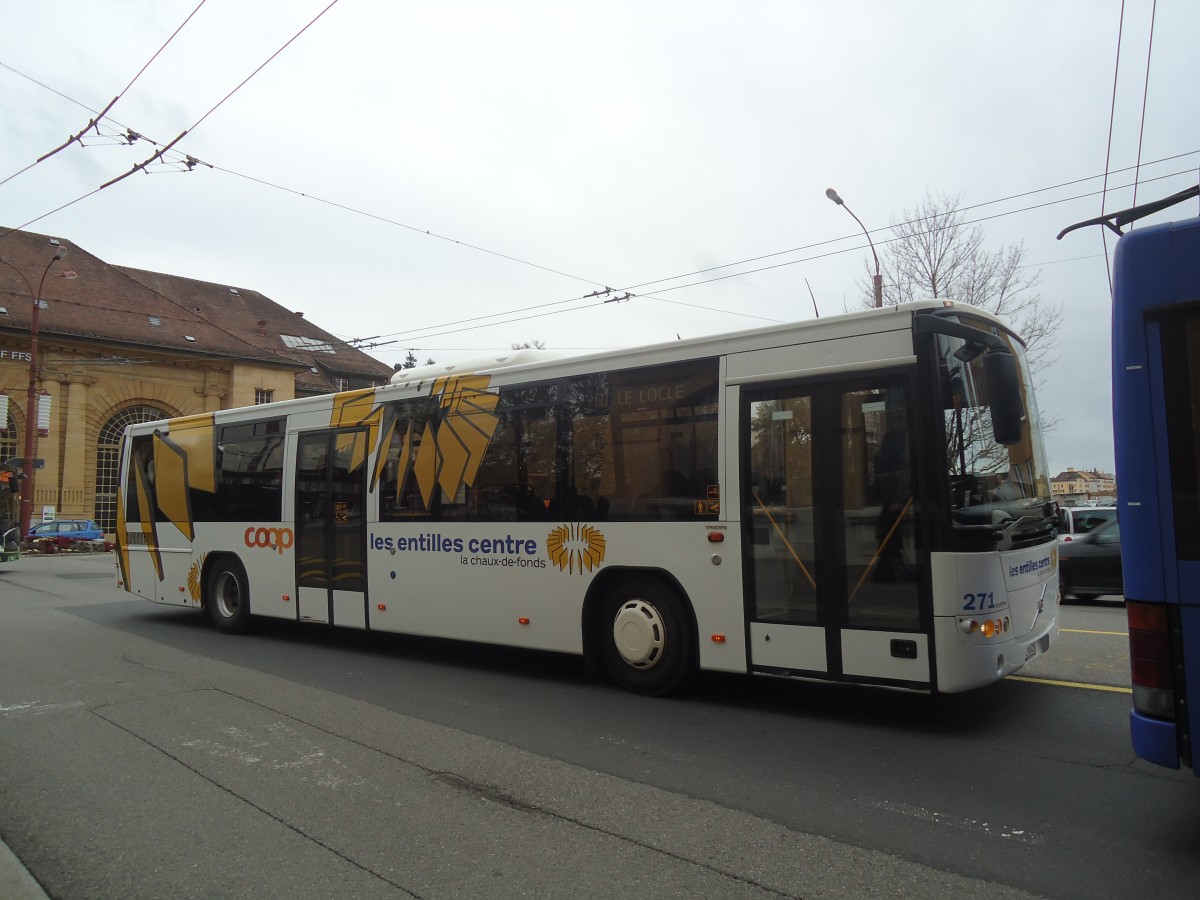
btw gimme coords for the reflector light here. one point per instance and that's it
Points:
(524, 620)
(718, 638)
(1153, 673)
(381, 607)
(1147, 616)
(715, 537)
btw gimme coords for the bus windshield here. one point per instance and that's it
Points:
(994, 487)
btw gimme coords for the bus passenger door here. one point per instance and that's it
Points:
(833, 573)
(331, 527)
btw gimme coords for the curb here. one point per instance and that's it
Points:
(15, 881)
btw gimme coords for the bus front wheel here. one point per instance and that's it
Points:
(228, 597)
(648, 646)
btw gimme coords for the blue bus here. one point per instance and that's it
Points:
(1156, 416)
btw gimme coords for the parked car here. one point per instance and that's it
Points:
(67, 530)
(1074, 521)
(1090, 565)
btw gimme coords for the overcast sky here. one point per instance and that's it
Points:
(405, 169)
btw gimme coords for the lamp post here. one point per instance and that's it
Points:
(31, 412)
(833, 195)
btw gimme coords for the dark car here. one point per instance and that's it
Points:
(1090, 565)
(66, 530)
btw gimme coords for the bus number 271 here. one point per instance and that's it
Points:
(979, 601)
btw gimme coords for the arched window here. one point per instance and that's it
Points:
(108, 459)
(8, 441)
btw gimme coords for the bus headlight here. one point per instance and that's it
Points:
(988, 627)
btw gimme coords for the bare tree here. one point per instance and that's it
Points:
(530, 345)
(936, 254)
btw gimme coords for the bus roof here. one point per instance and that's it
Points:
(892, 317)
(540, 364)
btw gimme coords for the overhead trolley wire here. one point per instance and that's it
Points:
(632, 287)
(190, 162)
(160, 152)
(111, 103)
(1145, 96)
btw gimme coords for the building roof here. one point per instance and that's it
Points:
(131, 308)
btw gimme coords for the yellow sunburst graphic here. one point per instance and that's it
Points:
(575, 547)
(193, 578)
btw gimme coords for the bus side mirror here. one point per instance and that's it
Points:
(1004, 396)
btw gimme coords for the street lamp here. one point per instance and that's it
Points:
(833, 195)
(31, 413)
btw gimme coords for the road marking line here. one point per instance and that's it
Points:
(36, 707)
(1073, 684)
(994, 829)
(1086, 631)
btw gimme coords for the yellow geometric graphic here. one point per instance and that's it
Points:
(352, 409)
(147, 527)
(195, 437)
(381, 458)
(576, 544)
(122, 539)
(452, 447)
(171, 483)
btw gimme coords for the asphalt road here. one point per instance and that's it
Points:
(144, 755)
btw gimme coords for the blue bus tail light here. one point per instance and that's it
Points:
(1150, 660)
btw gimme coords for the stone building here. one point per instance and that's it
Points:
(1080, 486)
(116, 345)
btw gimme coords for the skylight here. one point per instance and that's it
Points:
(316, 345)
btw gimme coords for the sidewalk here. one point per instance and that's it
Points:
(15, 881)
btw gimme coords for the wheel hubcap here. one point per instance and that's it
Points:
(638, 634)
(228, 595)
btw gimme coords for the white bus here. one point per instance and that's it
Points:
(860, 499)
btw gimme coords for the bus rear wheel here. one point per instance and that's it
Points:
(647, 641)
(227, 599)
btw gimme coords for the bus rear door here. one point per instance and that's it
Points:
(331, 527)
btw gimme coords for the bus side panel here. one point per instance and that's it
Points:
(1137, 406)
(142, 575)
(173, 589)
(443, 580)
(267, 553)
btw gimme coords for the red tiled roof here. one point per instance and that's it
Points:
(132, 307)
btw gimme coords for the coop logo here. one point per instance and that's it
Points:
(278, 539)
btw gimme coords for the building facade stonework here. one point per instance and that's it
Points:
(1077, 486)
(117, 346)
